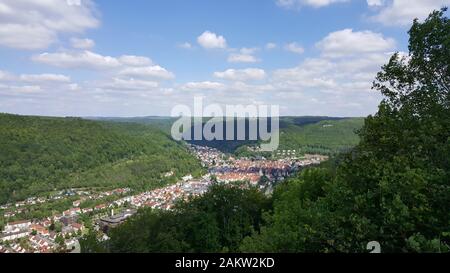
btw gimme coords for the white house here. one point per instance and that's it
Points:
(17, 226)
(14, 236)
(187, 178)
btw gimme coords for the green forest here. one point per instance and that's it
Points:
(41, 154)
(393, 187)
(325, 137)
(307, 134)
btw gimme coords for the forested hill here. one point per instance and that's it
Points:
(323, 135)
(40, 154)
(328, 136)
(307, 134)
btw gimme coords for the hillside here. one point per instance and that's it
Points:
(41, 154)
(323, 137)
(308, 134)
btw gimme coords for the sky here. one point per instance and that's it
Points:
(144, 57)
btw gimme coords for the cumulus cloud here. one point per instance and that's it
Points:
(129, 84)
(91, 60)
(44, 78)
(375, 3)
(210, 40)
(82, 43)
(155, 71)
(27, 87)
(5, 76)
(85, 59)
(201, 86)
(25, 37)
(311, 3)
(339, 80)
(33, 78)
(403, 12)
(241, 74)
(245, 55)
(330, 86)
(133, 60)
(185, 45)
(270, 46)
(35, 24)
(365, 52)
(242, 58)
(20, 89)
(294, 48)
(348, 42)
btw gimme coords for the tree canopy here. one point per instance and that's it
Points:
(40, 154)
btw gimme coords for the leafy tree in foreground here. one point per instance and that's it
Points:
(394, 187)
(215, 222)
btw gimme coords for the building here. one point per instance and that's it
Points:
(17, 226)
(100, 207)
(68, 220)
(187, 178)
(39, 229)
(72, 212)
(14, 235)
(77, 227)
(108, 222)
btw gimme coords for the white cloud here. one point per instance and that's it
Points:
(90, 60)
(270, 46)
(311, 3)
(210, 40)
(132, 60)
(245, 55)
(294, 48)
(348, 43)
(25, 37)
(185, 45)
(129, 84)
(242, 74)
(242, 58)
(25, 89)
(338, 76)
(324, 86)
(244, 88)
(311, 73)
(330, 84)
(403, 12)
(82, 43)
(36, 24)
(43, 78)
(249, 50)
(199, 86)
(5, 76)
(155, 71)
(33, 78)
(375, 3)
(85, 59)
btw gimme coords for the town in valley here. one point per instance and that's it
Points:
(102, 210)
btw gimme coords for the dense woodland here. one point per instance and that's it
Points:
(308, 134)
(39, 155)
(327, 137)
(393, 187)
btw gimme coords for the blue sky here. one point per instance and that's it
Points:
(137, 58)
